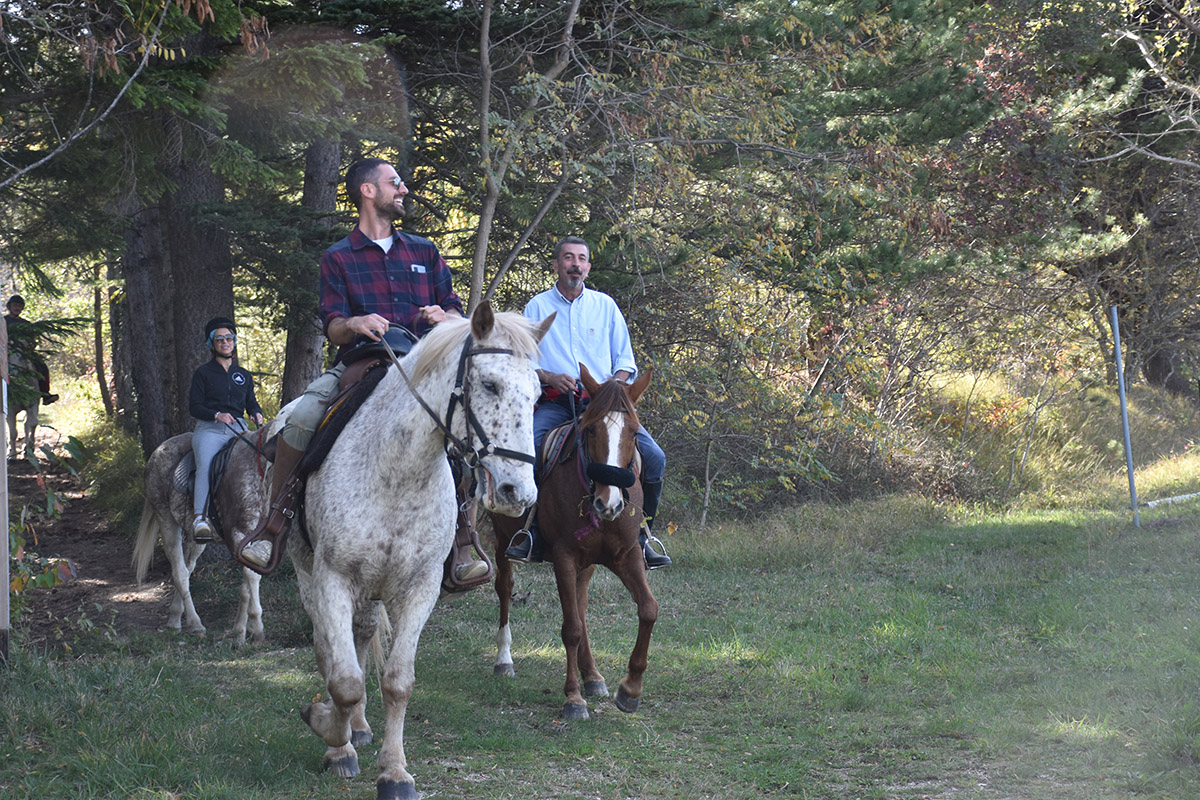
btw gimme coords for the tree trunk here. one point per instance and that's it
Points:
(302, 361)
(98, 342)
(202, 270)
(148, 323)
(122, 358)
(1158, 368)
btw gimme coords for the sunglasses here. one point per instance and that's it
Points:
(397, 182)
(230, 338)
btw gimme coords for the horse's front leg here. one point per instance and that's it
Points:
(593, 681)
(503, 665)
(566, 575)
(12, 433)
(332, 613)
(249, 614)
(183, 610)
(629, 693)
(408, 620)
(31, 423)
(366, 641)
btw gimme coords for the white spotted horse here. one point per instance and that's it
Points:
(238, 501)
(379, 515)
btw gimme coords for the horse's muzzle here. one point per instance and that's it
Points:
(507, 497)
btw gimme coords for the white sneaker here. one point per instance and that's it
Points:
(258, 553)
(202, 529)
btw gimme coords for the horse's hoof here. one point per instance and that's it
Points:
(503, 671)
(574, 711)
(343, 766)
(359, 738)
(627, 702)
(595, 688)
(394, 790)
(306, 714)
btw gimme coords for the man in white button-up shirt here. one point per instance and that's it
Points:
(588, 329)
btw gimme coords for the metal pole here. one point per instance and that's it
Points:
(5, 610)
(1116, 328)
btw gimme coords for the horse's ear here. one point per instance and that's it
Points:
(589, 383)
(639, 386)
(543, 327)
(482, 320)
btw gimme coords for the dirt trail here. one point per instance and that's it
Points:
(104, 591)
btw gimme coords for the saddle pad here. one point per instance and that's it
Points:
(554, 446)
(185, 473)
(341, 410)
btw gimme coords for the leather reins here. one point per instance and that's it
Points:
(460, 396)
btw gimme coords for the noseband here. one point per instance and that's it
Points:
(620, 477)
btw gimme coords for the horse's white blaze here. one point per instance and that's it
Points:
(610, 498)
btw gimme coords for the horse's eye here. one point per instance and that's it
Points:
(491, 387)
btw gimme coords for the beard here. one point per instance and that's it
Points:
(389, 210)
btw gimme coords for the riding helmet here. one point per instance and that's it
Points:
(218, 322)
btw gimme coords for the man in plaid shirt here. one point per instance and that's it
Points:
(374, 277)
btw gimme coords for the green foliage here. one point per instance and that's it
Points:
(114, 474)
(28, 569)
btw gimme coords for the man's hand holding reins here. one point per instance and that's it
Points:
(342, 330)
(559, 381)
(435, 314)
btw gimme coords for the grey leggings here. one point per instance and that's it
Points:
(209, 437)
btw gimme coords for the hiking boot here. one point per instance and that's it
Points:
(258, 553)
(202, 529)
(654, 559)
(521, 547)
(525, 546)
(47, 399)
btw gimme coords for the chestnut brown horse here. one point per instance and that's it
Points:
(589, 513)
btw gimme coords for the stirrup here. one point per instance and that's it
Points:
(282, 514)
(648, 551)
(513, 553)
(278, 545)
(202, 530)
(466, 540)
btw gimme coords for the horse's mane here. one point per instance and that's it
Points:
(611, 396)
(445, 341)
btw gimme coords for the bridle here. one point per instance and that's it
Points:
(592, 472)
(463, 450)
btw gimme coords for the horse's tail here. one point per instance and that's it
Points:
(147, 537)
(381, 641)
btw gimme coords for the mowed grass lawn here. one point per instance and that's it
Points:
(885, 650)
